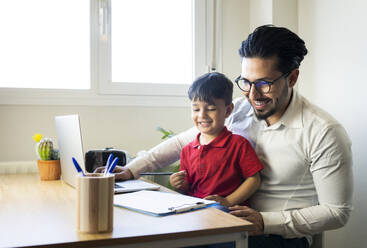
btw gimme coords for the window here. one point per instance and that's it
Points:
(158, 47)
(103, 51)
(40, 48)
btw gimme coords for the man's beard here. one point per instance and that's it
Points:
(278, 103)
(264, 116)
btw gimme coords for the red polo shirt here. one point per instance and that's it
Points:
(219, 167)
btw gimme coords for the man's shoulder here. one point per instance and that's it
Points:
(324, 133)
(318, 122)
(315, 115)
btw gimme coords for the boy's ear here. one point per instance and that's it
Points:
(229, 109)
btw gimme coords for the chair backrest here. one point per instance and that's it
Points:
(317, 240)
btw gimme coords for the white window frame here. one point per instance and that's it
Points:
(207, 57)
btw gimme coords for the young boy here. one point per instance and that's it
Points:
(217, 165)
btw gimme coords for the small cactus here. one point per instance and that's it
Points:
(45, 149)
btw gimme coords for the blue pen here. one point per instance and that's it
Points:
(112, 167)
(108, 164)
(77, 166)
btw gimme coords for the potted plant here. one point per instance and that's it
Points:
(48, 158)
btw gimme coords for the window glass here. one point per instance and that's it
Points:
(45, 44)
(151, 41)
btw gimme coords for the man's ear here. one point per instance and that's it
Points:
(293, 78)
(229, 109)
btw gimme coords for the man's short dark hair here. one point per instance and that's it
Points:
(268, 41)
(211, 86)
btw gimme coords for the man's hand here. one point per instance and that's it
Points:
(177, 180)
(121, 173)
(250, 215)
(221, 200)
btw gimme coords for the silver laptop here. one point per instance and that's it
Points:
(70, 143)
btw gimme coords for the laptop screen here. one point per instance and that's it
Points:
(69, 139)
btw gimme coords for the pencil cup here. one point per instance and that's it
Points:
(95, 203)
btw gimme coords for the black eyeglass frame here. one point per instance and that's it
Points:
(285, 75)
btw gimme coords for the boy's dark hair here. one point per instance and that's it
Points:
(211, 85)
(268, 41)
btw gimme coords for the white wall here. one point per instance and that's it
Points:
(334, 77)
(280, 13)
(260, 13)
(236, 27)
(128, 128)
(285, 14)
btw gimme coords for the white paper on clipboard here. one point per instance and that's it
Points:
(160, 203)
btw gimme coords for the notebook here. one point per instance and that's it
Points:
(69, 138)
(158, 203)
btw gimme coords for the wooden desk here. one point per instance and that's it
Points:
(43, 214)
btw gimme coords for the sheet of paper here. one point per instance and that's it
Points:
(159, 203)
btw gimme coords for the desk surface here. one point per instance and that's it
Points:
(43, 213)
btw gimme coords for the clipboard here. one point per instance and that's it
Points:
(159, 203)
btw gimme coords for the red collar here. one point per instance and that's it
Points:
(219, 141)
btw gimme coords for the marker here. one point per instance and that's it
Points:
(108, 163)
(112, 167)
(77, 166)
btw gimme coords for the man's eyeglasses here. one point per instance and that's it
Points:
(261, 86)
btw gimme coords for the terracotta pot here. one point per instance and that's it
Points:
(49, 169)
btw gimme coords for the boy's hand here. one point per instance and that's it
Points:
(177, 180)
(221, 200)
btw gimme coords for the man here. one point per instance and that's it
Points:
(307, 180)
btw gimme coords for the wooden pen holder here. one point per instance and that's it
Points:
(95, 194)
